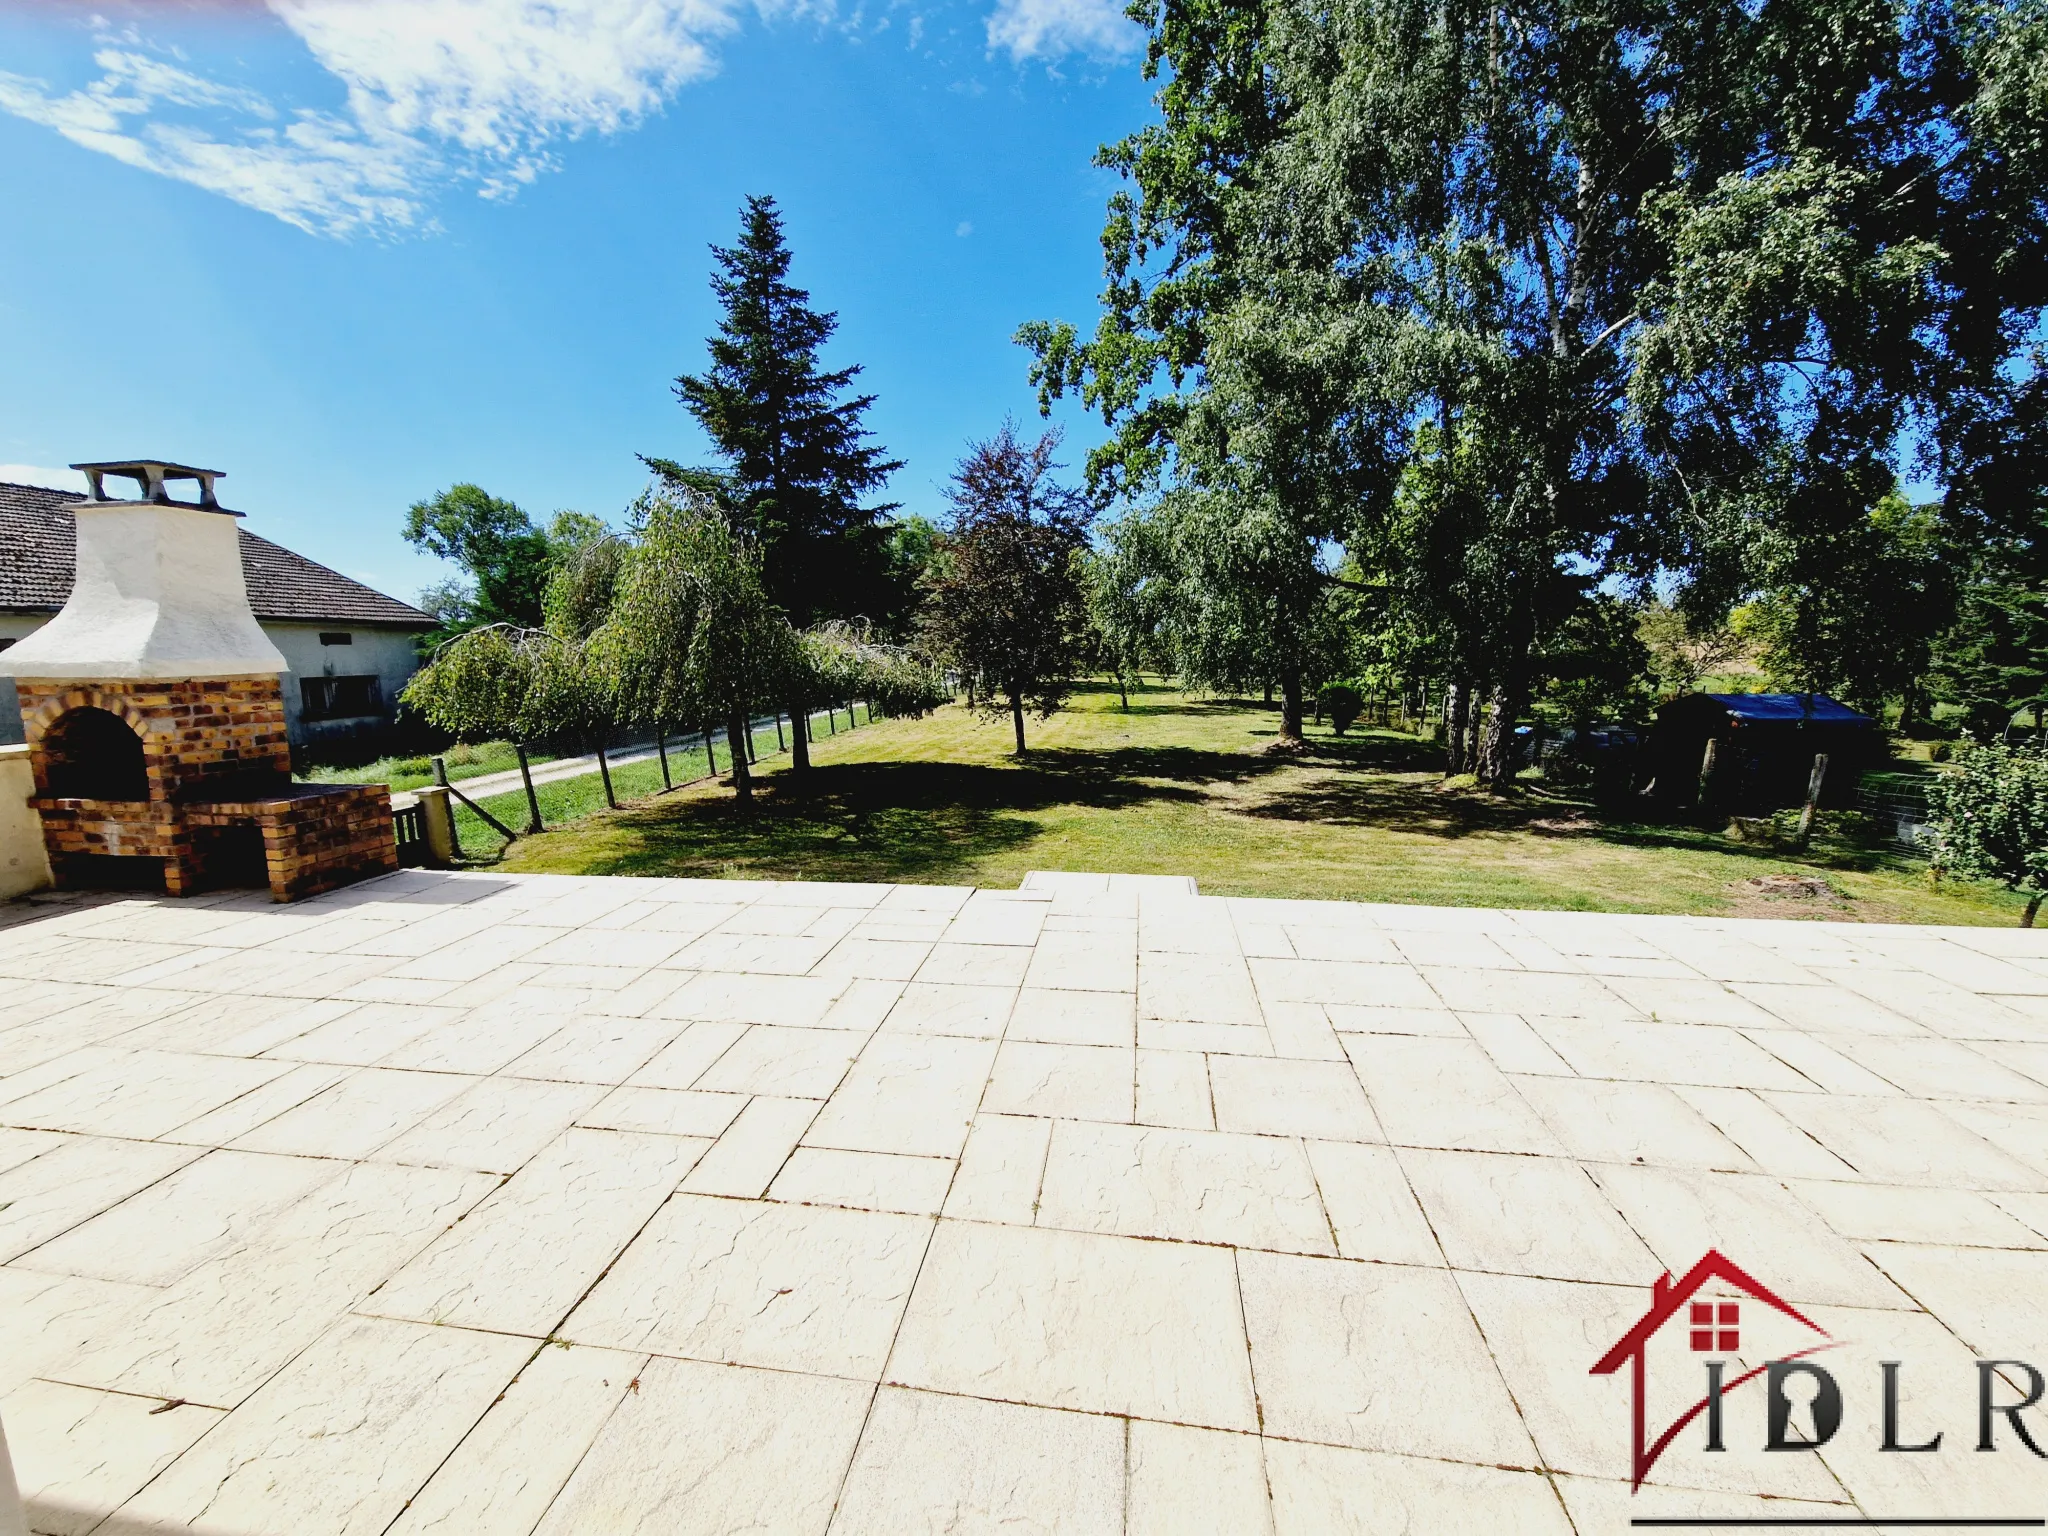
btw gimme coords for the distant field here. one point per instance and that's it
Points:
(1179, 785)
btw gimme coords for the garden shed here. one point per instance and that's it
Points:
(1764, 746)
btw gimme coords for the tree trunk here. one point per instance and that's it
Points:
(736, 749)
(2033, 906)
(799, 741)
(1497, 750)
(1457, 704)
(1269, 690)
(1017, 719)
(1290, 704)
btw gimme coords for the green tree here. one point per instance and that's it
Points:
(1990, 819)
(1518, 306)
(1006, 604)
(693, 634)
(507, 560)
(798, 461)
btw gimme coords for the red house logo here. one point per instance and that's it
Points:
(1713, 1328)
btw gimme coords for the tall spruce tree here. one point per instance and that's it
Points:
(798, 461)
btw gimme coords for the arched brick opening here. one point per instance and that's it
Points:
(92, 754)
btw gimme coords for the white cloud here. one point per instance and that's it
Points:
(43, 475)
(435, 90)
(1041, 29)
(963, 229)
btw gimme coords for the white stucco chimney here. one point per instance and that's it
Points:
(159, 591)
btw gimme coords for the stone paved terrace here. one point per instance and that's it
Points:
(460, 1203)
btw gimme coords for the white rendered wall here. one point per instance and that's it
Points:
(24, 861)
(159, 594)
(388, 653)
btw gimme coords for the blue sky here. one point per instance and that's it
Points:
(351, 251)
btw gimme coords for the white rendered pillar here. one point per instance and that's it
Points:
(13, 1519)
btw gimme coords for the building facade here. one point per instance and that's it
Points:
(351, 649)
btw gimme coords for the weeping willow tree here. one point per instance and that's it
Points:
(692, 633)
(507, 682)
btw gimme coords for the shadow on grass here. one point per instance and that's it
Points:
(918, 821)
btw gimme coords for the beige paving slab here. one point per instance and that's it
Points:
(1371, 1207)
(228, 1325)
(1089, 1082)
(1195, 1482)
(79, 1454)
(511, 1466)
(1075, 1320)
(790, 1287)
(45, 1319)
(1198, 988)
(981, 965)
(493, 1126)
(942, 1008)
(72, 1184)
(1524, 1216)
(1173, 1089)
(1680, 1214)
(1629, 1123)
(1291, 1098)
(1342, 1351)
(17, 1147)
(774, 1059)
(743, 1161)
(1329, 1488)
(1056, 1017)
(1191, 1186)
(1428, 1092)
(208, 1208)
(596, 1048)
(694, 1051)
(664, 1111)
(238, 1117)
(1904, 1142)
(141, 1094)
(1084, 962)
(864, 1181)
(357, 1115)
(941, 1464)
(525, 1255)
(703, 1450)
(1775, 1144)
(340, 1439)
(755, 997)
(366, 1034)
(1001, 1169)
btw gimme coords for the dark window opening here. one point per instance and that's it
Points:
(336, 637)
(339, 698)
(94, 755)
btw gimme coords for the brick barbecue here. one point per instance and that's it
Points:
(154, 719)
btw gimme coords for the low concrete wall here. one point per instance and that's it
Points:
(24, 863)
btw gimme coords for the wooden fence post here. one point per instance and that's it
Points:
(780, 744)
(1707, 771)
(604, 771)
(710, 757)
(441, 779)
(533, 822)
(661, 748)
(1820, 772)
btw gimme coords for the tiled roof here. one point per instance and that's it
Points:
(38, 555)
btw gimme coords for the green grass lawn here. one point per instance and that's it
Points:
(1181, 785)
(465, 761)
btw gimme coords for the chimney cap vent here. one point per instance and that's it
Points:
(150, 476)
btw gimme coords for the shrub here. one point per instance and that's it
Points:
(1342, 703)
(1989, 819)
